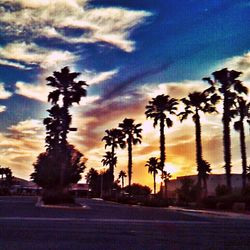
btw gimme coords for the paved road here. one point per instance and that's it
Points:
(105, 225)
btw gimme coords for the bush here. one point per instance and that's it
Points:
(222, 190)
(55, 197)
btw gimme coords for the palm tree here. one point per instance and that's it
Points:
(132, 134)
(229, 87)
(113, 138)
(70, 91)
(159, 108)
(195, 103)
(109, 160)
(153, 167)
(244, 112)
(165, 176)
(58, 124)
(122, 175)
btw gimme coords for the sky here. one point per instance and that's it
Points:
(128, 51)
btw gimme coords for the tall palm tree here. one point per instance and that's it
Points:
(113, 138)
(229, 87)
(122, 175)
(195, 103)
(244, 112)
(70, 91)
(159, 108)
(153, 167)
(132, 134)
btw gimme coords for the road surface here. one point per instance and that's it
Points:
(106, 225)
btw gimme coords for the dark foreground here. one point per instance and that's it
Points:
(104, 225)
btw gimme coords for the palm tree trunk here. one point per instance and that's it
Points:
(227, 140)
(198, 147)
(122, 182)
(162, 143)
(129, 160)
(154, 183)
(243, 155)
(112, 165)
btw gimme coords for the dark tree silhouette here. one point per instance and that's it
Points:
(132, 134)
(47, 168)
(159, 108)
(229, 87)
(113, 138)
(165, 176)
(6, 179)
(153, 167)
(122, 175)
(59, 154)
(244, 112)
(92, 178)
(195, 103)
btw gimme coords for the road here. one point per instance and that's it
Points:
(106, 225)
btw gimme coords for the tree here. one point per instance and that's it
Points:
(244, 112)
(6, 180)
(138, 189)
(229, 86)
(122, 175)
(113, 138)
(132, 134)
(153, 167)
(47, 168)
(57, 160)
(195, 103)
(92, 178)
(159, 108)
(165, 176)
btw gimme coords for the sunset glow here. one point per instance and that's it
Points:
(127, 52)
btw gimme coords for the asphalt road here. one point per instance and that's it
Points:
(105, 225)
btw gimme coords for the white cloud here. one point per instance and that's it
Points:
(13, 64)
(240, 63)
(2, 108)
(4, 94)
(50, 18)
(93, 78)
(31, 54)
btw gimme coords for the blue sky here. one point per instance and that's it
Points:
(123, 49)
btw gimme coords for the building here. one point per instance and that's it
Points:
(212, 182)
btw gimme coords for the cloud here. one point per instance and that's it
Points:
(2, 108)
(20, 146)
(240, 63)
(4, 94)
(52, 19)
(30, 54)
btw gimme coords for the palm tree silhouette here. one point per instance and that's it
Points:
(109, 159)
(58, 124)
(113, 138)
(132, 134)
(195, 103)
(244, 112)
(70, 91)
(122, 175)
(153, 167)
(229, 87)
(158, 109)
(165, 176)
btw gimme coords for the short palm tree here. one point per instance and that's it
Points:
(113, 138)
(122, 175)
(229, 87)
(109, 159)
(165, 176)
(153, 167)
(195, 103)
(132, 134)
(244, 112)
(159, 108)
